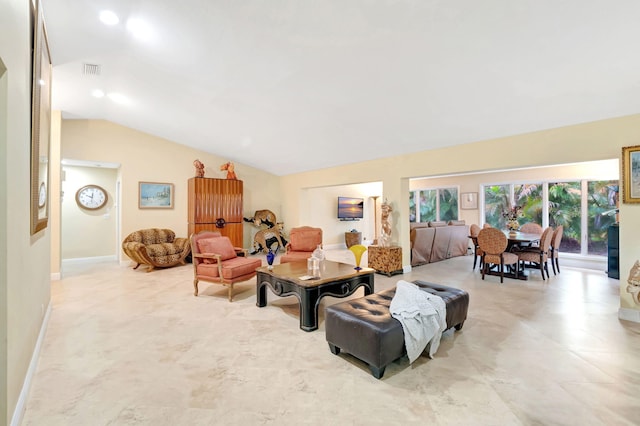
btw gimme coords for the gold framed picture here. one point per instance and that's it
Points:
(40, 124)
(155, 195)
(631, 174)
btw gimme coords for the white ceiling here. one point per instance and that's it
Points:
(294, 85)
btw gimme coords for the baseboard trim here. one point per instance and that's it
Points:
(629, 314)
(21, 406)
(95, 259)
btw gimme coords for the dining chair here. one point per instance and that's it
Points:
(555, 248)
(531, 228)
(538, 256)
(493, 244)
(474, 230)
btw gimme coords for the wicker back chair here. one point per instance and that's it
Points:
(531, 228)
(493, 243)
(474, 230)
(556, 239)
(538, 255)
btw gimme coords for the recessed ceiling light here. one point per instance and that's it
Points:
(109, 18)
(97, 93)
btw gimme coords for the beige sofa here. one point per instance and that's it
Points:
(435, 241)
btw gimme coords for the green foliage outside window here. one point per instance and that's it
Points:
(428, 205)
(496, 201)
(529, 197)
(602, 207)
(449, 204)
(565, 210)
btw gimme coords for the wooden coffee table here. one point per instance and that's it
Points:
(336, 279)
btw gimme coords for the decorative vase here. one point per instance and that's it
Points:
(513, 225)
(270, 258)
(318, 253)
(357, 251)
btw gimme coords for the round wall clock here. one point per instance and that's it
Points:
(91, 197)
(42, 195)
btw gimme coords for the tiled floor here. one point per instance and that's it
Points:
(127, 347)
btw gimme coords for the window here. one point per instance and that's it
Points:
(496, 201)
(585, 209)
(529, 197)
(601, 205)
(433, 204)
(565, 200)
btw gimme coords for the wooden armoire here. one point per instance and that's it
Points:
(213, 199)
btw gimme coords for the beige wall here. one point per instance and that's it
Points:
(25, 283)
(572, 144)
(88, 233)
(144, 157)
(325, 210)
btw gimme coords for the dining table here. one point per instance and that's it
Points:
(516, 240)
(521, 238)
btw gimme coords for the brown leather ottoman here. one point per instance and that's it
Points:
(364, 327)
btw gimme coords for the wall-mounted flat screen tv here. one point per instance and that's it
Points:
(350, 208)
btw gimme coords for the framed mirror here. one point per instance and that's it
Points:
(40, 124)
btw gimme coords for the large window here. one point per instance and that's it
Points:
(585, 209)
(433, 204)
(601, 204)
(565, 208)
(500, 198)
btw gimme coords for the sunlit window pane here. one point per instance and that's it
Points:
(602, 208)
(564, 209)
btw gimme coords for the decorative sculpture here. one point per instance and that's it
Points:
(265, 238)
(262, 217)
(385, 220)
(229, 167)
(634, 282)
(199, 168)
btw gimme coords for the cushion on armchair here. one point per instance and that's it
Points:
(216, 245)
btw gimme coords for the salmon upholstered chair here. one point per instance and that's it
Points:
(156, 248)
(302, 242)
(538, 256)
(493, 243)
(216, 260)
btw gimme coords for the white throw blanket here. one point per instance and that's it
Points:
(423, 317)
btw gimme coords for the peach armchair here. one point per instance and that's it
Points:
(216, 260)
(302, 242)
(156, 248)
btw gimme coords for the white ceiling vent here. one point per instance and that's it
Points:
(90, 69)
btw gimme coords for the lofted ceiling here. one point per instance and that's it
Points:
(288, 86)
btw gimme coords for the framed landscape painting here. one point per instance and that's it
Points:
(155, 195)
(631, 174)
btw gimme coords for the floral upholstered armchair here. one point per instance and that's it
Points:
(156, 248)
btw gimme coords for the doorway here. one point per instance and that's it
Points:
(89, 234)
